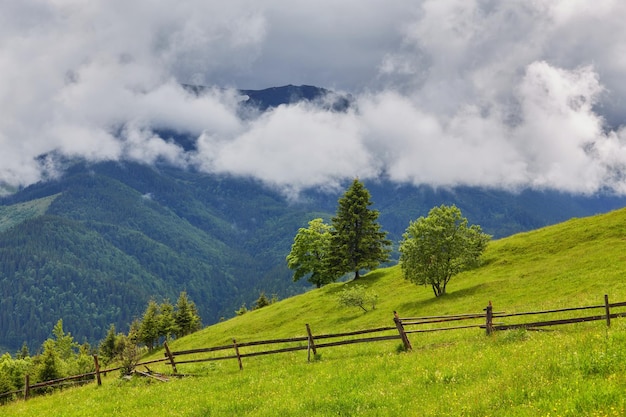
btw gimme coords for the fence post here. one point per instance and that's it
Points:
(607, 309)
(238, 356)
(403, 336)
(489, 318)
(26, 386)
(95, 361)
(170, 356)
(311, 343)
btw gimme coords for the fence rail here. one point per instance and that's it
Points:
(403, 327)
(311, 345)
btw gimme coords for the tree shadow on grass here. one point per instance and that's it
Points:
(372, 277)
(449, 296)
(366, 280)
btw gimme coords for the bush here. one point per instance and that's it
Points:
(358, 296)
(242, 310)
(130, 355)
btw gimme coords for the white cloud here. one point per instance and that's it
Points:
(448, 92)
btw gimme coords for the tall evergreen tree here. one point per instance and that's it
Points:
(186, 316)
(64, 342)
(167, 322)
(356, 241)
(50, 363)
(149, 330)
(107, 346)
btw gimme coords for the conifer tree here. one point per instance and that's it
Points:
(186, 316)
(63, 342)
(23, 352)
(262, 301)
(167, 322)
(50, 363)
(107, 346)
(356, 240)
(149, 330)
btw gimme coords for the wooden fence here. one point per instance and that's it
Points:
(485, 320)
(311, 343)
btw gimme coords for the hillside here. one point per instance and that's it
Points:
(572, 370)
(568, 264)
(93, 246)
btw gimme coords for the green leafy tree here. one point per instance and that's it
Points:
(437, 247)
(358, 296)
(12, 373)
(6, 385)
(308, 254)
(356, 239)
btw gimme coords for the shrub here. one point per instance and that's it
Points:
(358, 296)
(129, 357)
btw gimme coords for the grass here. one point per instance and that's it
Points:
(570, 371)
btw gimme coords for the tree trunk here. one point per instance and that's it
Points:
(356, 275)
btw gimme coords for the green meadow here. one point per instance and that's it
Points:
(571, 370)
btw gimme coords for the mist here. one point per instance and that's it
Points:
(506, 95)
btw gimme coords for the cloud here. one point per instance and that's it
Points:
(447, 92)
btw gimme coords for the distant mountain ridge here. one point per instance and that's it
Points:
(290, 94)
(95, 245)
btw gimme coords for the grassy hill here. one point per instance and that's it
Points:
(569, 371)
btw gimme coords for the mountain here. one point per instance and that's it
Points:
(93, 246)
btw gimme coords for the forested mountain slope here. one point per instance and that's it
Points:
(93, 246)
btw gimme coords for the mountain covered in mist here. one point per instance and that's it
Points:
(93, 246)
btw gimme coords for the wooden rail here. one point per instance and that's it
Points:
(311, 346)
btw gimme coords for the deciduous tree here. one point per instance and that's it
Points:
(358, 296)
(309, 252)
(439, 246)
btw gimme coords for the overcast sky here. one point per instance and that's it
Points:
(506, 94)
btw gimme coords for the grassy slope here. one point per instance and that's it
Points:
(574, 370)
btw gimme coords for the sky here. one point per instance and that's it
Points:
(504, 94)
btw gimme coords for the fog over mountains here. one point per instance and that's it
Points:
(508, 95)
